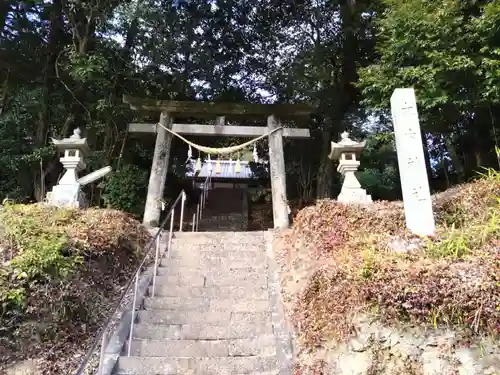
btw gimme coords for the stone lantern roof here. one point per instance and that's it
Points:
(346, 145)
(74, 142)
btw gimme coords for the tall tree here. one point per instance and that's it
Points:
(449, 51)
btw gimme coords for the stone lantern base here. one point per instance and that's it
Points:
(70, 196)
(351, 192)
(354, 195)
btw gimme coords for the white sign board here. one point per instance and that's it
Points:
(411, 160)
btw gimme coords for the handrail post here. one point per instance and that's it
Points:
(201, 206)
(132, 320)
(183, 201)
(104, 343)
(207, 181)
(155, 271)
(197, 216)
(171, 230)
(194, 222)
(206, 193)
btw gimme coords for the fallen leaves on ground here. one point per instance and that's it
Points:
(62, 272)
(340, 260)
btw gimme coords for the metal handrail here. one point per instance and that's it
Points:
(201, 204)
(102, 337)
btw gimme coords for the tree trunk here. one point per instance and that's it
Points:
(344, 93)
(118, 87)
(83, 29)
(43, 126)
(455, 158)
(4, 11)
(112, 138)
(5, 93)
(325, 171)
(427, 157)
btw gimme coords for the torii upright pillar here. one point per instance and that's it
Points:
(277, 174)
(158, 175)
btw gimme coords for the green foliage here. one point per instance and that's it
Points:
(441, 48)
(433, 46)
(40, 253)
(12, 299)
(43, 252)
(463, 233)
(125, 189)
(379, 174)
(461, 242)
(86, 67)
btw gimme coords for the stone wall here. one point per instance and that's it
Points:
(377, 350)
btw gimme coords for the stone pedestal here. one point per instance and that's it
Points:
(68, 196)
(351, 192)
(346, 151)
(73, 165)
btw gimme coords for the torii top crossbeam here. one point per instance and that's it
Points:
(221, 109)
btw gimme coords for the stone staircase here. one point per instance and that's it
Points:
(225, 210)
(216, 310)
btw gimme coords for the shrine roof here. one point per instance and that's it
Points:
(228, 170)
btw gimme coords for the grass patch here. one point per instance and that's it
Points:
(365, 261)
(60, 272)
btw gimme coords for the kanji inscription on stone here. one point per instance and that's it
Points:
(411, 160)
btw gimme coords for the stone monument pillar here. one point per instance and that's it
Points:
(345, 152)
(67, 192)
(417, 199)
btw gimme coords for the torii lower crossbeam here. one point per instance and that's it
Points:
(218, 130)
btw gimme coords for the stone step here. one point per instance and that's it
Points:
(218, 235)
(229, 255)
(206, 305)
(201, 281)
(203, 331)
(222, 220)
(195, 262)
(194, 366)
(209, 216)
(210, 272)
(167, 317)
(220, 250)
(196, 239)
(172, 267)
(196, 257)
(237, 292)
(264, 346)
(209, 240)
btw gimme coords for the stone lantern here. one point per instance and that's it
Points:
(67, 192)
(346, 152)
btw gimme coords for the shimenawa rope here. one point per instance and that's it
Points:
(222, 150)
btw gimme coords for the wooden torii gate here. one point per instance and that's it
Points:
(169, 109)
